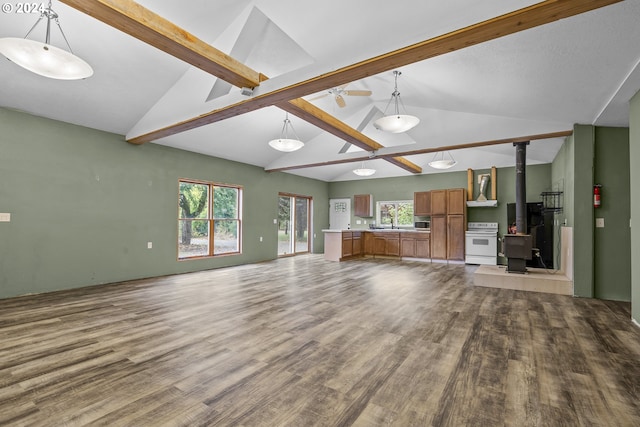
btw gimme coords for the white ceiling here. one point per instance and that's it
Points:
(582, 69)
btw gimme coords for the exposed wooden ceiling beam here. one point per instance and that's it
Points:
(320, 118)
(536, 137)
(137, 21)
(143, 24)
(510, 23)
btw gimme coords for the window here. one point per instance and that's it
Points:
(203, 207)
(395, 214)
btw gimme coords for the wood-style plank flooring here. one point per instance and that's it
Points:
(306, 342)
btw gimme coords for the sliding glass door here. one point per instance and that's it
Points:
(293, 224)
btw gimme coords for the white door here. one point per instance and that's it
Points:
(339, 214)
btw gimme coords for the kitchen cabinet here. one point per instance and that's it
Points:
(347, 244)
(408, 246)
(368, 243)
(456, 201)
(448, 228)
(392, 247)
(456, 225)
(356, 243)
(423, 246)
(363, 205)
(379, 245)
(422, 203)
(438, 202)
(351, 244)
(415, 245)
(439, 237)
(382, 243)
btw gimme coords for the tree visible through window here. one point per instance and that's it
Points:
(396, 214)
(203, 207)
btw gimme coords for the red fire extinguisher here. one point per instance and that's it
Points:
(596, 195)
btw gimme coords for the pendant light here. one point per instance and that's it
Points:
(396, 123)
(442, 162)
(43, 58)
(284, 143)
(363, 171)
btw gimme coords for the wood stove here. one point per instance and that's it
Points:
(517, 249)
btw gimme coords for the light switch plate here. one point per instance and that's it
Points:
(599, 222)
(5, 217)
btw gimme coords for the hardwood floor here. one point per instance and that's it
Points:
(301, 341)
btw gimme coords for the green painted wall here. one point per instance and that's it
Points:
(583, 277)
(562, 179)
(634, 159)
(402, 188)
(612, 244)
(84, 204)
(602, 259)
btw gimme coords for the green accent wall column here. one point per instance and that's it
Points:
(612, 244)
(583, 282)
(634, 159)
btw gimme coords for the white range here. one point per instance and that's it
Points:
(481, 244)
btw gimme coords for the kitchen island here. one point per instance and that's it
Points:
(396, 243)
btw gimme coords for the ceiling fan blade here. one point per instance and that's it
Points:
(340, 101)
(357, 92)
(317, 97)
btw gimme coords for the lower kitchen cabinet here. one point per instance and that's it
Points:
(456, 225)
(368, 243)
(439, 237)
(415, 245)
(356, 243)
(408, 247)
(392, 247)
(347, 244)
(384, 243)
(379, 245)
(423, 247)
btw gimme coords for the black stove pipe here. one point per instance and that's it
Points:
(521, 187)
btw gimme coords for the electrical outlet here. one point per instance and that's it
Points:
(261, 238)
(149, 245)
(599, 222)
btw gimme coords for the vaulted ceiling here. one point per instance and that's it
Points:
(475, 73)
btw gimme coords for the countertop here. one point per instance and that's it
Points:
(384, 230)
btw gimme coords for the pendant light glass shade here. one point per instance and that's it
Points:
(442, 162)
(284, 143)
(364, 171)
(396, 123)
(43, 58)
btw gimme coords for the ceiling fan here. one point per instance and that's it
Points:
(340, 92)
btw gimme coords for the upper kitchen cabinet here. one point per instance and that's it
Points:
(363, 205)
(438, 202)
(456, 201)
(422, 203)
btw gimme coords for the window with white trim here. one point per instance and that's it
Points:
(209, 219)
(396, 214)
